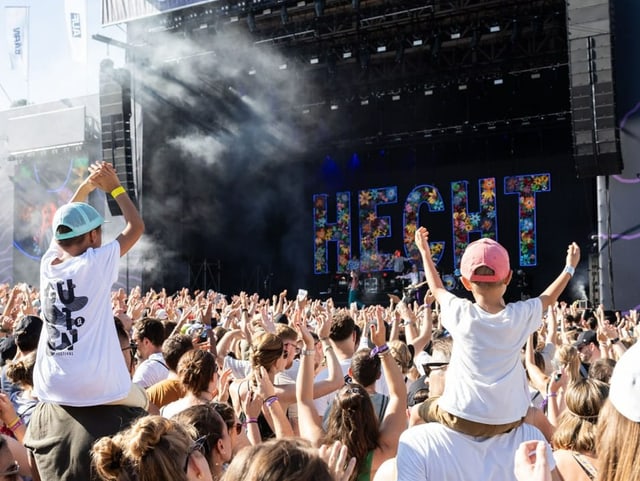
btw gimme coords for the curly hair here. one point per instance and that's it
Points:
(353, 422)
(20, 371)
(577, 426)
(152, 449)
(286, 459)
(196, 369)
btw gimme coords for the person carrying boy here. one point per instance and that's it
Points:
(487, 391)
(80, 375)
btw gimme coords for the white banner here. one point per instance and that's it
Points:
(17, 23)
(75, 12)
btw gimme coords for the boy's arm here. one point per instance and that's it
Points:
(551, 293)
(82, 192)
(433, 278)
(106, 179)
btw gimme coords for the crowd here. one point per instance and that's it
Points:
(113, 385)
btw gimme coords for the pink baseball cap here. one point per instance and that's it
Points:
(485, 252)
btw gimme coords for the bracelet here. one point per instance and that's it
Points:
(569, 270)
(384, 354)
(328, 348)
(251, 420)
(327, 338)
(307, 352)
(615, 341)
(16, 423)
(379, 350)
(551, 394)
(270, 400)
(117, 191)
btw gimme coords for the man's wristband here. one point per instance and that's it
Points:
(117, 191)
(569, 270)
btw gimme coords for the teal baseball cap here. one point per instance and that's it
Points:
(79, 217)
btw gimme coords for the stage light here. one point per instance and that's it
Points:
(381, 48)
(252, 71)
(283, 66)
(535, 75)
(455, 36)
(334, 106)
(417, 42)
(494, 28)
(364, 102)
(395, 97)
(428, 92)
(498, 81)
(347, 54)
(462, 87)
(314, 60)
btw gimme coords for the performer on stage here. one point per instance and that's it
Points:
(416, 279)
(354, 290)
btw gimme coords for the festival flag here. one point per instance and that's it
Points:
(17, 23)
(76, 24)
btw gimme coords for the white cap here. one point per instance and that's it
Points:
(624, 392)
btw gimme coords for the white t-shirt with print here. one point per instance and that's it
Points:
(79, 360)
(486, 381)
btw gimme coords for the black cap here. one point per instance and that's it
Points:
(8, 349)
(586, 337)
(27, 332)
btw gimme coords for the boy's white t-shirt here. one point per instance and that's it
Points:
(486, 381)
(79, 360)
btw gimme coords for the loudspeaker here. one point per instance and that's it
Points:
(596, 140)
(115, 116)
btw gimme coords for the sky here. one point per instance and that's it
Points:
(53, 74)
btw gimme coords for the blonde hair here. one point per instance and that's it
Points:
(401, 354)
(568, 356)
(152, 449)
(618, 441)
(576, 430)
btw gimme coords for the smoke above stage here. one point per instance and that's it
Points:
(221, 161)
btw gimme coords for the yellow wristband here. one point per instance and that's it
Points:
(117, 191)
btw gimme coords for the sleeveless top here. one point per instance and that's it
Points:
(586, 466)
(365, 470)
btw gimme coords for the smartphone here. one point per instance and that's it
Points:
(302, 295)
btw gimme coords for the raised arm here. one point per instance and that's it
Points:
(271, 406)
(551, 293)
(104, 176)
(394, 421)
(433, 278)
(308, 420)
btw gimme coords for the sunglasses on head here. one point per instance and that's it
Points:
(198, 445)
(433, 366)
(237, 426)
